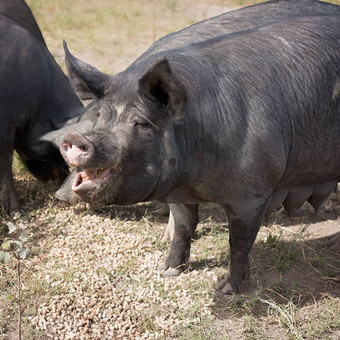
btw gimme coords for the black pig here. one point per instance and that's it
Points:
(237, 20)
(239, 119)
(35, 98)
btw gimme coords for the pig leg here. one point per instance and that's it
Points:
(170, 229)
(320, 194)
(9, 201)
(243, 231)
(185, 218)
(296, 197)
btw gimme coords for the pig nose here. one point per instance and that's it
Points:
(76, 149)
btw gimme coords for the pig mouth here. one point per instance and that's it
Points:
(88, 178)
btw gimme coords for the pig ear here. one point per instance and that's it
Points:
(87, 81)
(53, 137)
(161, 85)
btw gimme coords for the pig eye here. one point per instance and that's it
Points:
(143, 125)
(98, 114)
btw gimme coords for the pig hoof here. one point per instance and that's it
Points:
(163, 267)
(173, 271)
(228, 289)
(225, 287)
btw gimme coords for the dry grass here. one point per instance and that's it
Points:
(111, 34)
(93, 274)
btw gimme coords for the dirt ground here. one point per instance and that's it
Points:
(93, 274)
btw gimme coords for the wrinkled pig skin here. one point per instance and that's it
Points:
(35, 98)
(235, 127)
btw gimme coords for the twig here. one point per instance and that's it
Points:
(19, 296)
(336, 278)
(272, 290)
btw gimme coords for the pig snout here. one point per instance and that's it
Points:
(76, 149)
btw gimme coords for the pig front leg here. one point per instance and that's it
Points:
(243, 229)
(183, 218)
(170, 229)
(9, 201)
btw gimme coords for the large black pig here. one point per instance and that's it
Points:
(237, 20)
(35, 98)
(240, 119)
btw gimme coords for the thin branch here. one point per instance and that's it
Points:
(19, 296)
